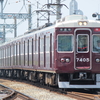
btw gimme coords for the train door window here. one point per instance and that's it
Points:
(3, 57)
(50, 50)
(82, 43)
(35, 43)
(64, 43)
(32, 51)
(0, 57)
(44, 50)
(16, 53)
(10, 55)
(47, 44)
(6, 56)
(36, 51)
(19, 53)
(28, 51)
(13, 55)
(96, 43)
(24, 53)
(39, 52)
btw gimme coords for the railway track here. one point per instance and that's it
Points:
(7, 93)
(83, 96)
(75, 95)
(80, 95)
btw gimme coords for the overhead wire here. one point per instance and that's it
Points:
(5, 4)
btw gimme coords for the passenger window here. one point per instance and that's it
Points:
(96, 43)
(82, 43)
(64, 43)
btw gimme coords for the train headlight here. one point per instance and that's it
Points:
(84, 23)
(80, 23)
(97, 60)
(62, 60)
(67, 60)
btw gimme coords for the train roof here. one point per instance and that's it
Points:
(73, 21)
(68, 21)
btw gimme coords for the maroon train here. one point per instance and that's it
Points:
(66, 54)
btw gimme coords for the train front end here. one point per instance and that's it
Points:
(77, 53)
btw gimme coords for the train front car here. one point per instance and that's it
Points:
(77, 54)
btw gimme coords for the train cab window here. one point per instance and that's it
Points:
(64, 43)
(96, 43)
(82, 43)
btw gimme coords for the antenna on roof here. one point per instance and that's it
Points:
(95, 15)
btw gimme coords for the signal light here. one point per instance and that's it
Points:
(97, 60)
(62, 60)
(67, 60)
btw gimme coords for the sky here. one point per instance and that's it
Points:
(21, 6)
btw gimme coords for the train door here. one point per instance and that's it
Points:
(82, 48)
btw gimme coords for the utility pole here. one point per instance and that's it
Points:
(4, 33)
(15, 28)
(45, 14)
(1, 7)
(58, 12)
(14, 16)
(30, 19)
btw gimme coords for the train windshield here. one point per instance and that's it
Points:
(82, 43)
(96, 43)
(64, 43)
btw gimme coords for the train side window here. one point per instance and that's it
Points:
(82, 43)
(96, 43)
(64, 43)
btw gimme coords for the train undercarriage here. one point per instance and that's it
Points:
(65, 80)
(42, 77)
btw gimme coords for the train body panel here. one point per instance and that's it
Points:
(65, 53)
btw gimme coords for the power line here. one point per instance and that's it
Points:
(5, 4)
